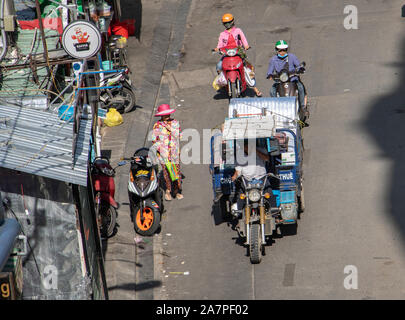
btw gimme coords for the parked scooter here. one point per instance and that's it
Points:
(122, 98)
(102, 175)
(288, 88)
(145, 193)
(234, 71)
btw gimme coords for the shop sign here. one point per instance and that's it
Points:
(81, 39)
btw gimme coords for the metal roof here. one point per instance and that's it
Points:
(284, 110)
(248, 128)
(38, 142)
(20, 83)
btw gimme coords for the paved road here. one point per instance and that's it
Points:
(353, 159)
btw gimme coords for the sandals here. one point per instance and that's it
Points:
(168, 196)
(258, 93)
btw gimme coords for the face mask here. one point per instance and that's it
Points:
(228, 25)
(282, 57)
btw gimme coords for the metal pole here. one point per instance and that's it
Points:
(41, 28)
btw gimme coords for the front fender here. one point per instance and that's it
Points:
(232, 76)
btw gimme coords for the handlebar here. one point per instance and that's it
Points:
(270, 174)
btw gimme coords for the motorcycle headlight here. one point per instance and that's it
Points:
(231, 52)
(142, 184)
(254, 195)
(284, 77)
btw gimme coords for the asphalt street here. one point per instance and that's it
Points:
(353, 160)
(351, 163)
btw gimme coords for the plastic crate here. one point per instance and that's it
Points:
(222, 181)
(287, 197)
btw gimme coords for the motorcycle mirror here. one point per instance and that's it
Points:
(273, 175)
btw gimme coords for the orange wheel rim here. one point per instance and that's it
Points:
(147, 221)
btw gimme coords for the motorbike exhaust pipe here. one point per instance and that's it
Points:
(247, 224)
(262, 222)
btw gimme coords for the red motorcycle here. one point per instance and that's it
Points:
(233, 69)
(102, 175)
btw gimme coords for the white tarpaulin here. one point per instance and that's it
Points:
(283, 110)
(248, 128)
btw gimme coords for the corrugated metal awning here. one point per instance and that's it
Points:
(38, 142)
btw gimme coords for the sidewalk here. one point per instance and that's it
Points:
(130, 268)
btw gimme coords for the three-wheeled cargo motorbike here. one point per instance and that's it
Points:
(272, 123)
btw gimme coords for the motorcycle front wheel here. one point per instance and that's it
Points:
(149, 223)
(255, 244)
(234, 93)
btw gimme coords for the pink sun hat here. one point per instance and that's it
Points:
(163, 110)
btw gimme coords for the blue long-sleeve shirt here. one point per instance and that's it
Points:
(277, 64)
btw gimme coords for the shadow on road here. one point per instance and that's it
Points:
(385, 123)
(137, 287)
(222, 94)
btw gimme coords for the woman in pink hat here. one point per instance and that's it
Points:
(166, 139)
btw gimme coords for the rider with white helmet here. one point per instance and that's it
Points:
(278, 62)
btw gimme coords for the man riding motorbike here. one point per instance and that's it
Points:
(240, 39)
(254, 168)
(278, 62)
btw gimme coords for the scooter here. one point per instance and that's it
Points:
(145, 193)
(234, 71)
(102, 175)
(288, 88)
(118, 91)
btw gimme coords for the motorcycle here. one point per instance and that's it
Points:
(233, 70)
(256, 211)
(288, 88)
(145, 193)
(102, 175)
(122, 98)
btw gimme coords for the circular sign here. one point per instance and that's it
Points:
(81, 39)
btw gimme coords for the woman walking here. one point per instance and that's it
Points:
(166, 140)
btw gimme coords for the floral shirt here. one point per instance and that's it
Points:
(166, 139)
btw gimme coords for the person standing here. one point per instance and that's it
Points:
(166, 136)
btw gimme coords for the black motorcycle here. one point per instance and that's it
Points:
(288, 88)
(145, 193)
(117, 91)
(259, 214)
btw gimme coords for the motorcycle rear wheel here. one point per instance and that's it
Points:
(255, 244)
(127, 105)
